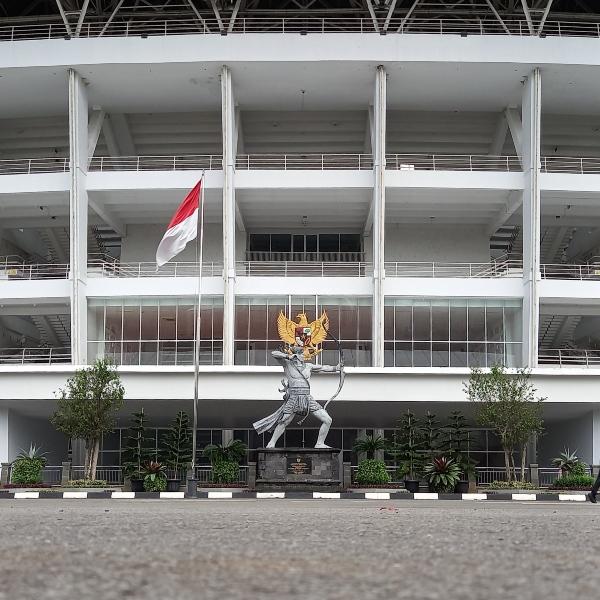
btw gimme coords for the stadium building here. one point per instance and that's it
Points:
(426, 172)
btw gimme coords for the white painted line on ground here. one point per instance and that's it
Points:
(123, 495)
(24, 495)
(172, 495)
(572, 497)
(377, 495)
(220, 495)
(270, 495)
(74, 495)
(425, 496)
(326, 495)
(524, 496)
(474, 496)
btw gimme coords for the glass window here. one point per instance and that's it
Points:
(259, 242)
(281, 242)
(311, 243)
(167, 322)
(458, 321)
(329, 242)
(298, 243)
(149, 320)
(421, 321)
(476, 321)
(350, 242)
(114, 323)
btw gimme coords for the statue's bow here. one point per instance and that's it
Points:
(342, 371)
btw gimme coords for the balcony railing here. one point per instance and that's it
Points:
(26, 356)
(12, 270)
(474, 25)
(293, 162)
(570, 164)
(313, 257)
(105, 268)
(561, 271)
(303, 269)
(451, 162)
(184, 162)
(28, 166)
(569, 357)
(504, 268)
(113, 475)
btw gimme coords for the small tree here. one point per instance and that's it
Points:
(369, 445)
(177, 444)
(408, 444)
(431, 435)
(87, 407)
(507, 403)
(139, 448)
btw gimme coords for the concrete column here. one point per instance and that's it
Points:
(531, 112)
(65, 473)
(534, 475)
(229, 154)
(227, 435)
(595, 437)
(379, 454)
(378, 137)
(361, 435)
(4, 458)
(78, 210)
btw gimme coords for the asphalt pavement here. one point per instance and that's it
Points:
(279, 549)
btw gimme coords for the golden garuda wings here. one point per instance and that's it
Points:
(308, 335)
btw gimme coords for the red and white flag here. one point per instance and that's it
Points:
(182, 229)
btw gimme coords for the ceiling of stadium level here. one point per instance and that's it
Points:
(225, 12)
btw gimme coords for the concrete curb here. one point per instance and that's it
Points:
(224, 495)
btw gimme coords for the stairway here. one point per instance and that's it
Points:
(53, 329)
(554, 243)
(56, 240)
(556, 331)
(505, 241)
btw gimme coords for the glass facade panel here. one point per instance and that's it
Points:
(154, 331)
(349, 321)
(454, 332)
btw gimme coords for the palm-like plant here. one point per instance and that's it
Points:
(442, 473)
(566, 461)
(369, 445)
(235, 451)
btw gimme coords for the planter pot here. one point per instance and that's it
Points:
(137, 485)
(411, 485)
(462, 487)
(173, 485)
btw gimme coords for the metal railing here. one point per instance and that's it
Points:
(569, 357)
(303, 269)
(28, 166)
(157, 352)
(504, 268)
(562, 271)
(451, 162)
(113, 475)
(487, 475)
(25, 356)
(313, 257)
(303, 25)
(184, 162)
(319, 162)
(12, 270)
(52, 475)
(570, 164)
(105, 268)
(204, 475)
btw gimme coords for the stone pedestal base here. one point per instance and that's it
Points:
(302, 469)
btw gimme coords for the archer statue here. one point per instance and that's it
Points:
(302, 340)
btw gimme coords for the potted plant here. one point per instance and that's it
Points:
(407, 447)
(370, 470)
(138, 452)
(155, 478)
(28, 466)
(442, 474)
(455, 446)
(177, 450)
(225, 460)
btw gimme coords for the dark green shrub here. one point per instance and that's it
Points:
(225, 471)
(86, 483)
(372, 472)
(28, 466)
(442, 474)
(511, 485)
(579, 470)
(573, 482)
(158, 484)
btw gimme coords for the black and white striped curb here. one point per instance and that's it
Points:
(236, 495)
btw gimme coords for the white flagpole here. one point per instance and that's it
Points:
(199, 249)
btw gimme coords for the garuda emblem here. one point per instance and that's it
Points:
(304, 334)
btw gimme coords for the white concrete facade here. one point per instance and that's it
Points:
(412, 219)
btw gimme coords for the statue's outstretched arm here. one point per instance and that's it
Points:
(278, 354)
(326, 368)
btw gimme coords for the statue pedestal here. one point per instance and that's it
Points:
(301, 469)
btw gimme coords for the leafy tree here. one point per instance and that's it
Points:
(87, 407)
(139, 448)
(177, 443)
(507, 403)
(234, 451)
(369, 445)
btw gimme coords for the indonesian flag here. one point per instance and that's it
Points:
(182, 229)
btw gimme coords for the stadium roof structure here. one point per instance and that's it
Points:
(108, 17)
